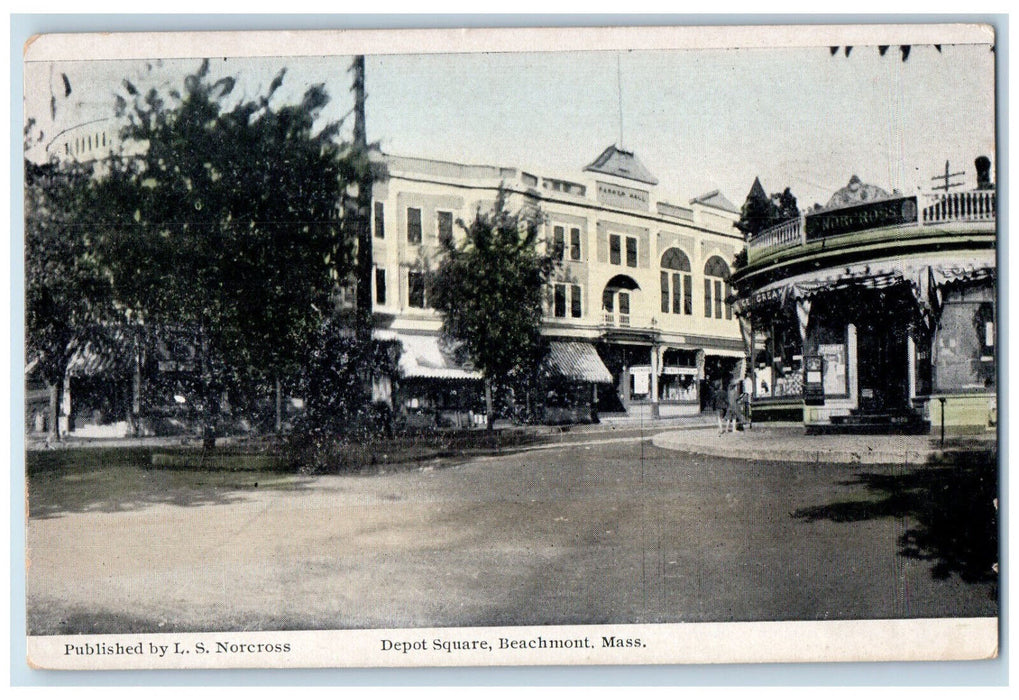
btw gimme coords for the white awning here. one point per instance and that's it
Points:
(918, 272)
(423, 357)
(578, 361)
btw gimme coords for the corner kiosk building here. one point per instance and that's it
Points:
(877, 312)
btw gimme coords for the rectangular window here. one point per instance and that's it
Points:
(665, 292)
(380, 286)
(575, 305)
(728, 306)
(559, 301)
(718, 298)
(624, 302)
(614, 250)
(677, 294)
(445, 227)
(415, 289)
(413, 226)
(380, 220)
(559, 242)
(688, 295)
(631, 252)
(574, 244)
(607, 300)
(707, 298)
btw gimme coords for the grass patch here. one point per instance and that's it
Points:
(112, 479)
(216, 461)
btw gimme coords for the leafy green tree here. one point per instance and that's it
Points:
(490, 289)
(68, 300)
(225, 224)
(760, 211)
(757, 212)
(785, 204)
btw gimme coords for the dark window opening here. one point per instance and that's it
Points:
(445, 227)
(415, 289)
(413, 226)
(380, 220)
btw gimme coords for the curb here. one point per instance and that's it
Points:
(670, 441)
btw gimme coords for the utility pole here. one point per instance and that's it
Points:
(947, 178)
(360, 216)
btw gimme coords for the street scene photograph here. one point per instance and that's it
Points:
(472, 337)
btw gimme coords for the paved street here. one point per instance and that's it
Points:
(614, 531)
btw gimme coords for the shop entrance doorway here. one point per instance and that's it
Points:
(883, 363)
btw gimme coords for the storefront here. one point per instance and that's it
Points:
(876, 317)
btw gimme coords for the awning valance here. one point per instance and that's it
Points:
(919, 273)
(111, 353)
(578, 361)
(424, 357)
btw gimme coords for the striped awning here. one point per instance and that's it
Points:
(424, 357)
(578, 361)
(94, 359)
(919, 273)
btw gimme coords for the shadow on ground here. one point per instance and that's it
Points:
(123, 479)
(949, 508)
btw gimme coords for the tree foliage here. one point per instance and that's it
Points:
(760, 211)
(68, 299)
(225, 224)
(491, 290)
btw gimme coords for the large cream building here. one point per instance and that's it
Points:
(637, 311)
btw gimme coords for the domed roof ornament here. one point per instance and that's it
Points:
(856, 192)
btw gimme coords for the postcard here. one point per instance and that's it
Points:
(535, 346)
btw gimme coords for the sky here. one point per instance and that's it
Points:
(700, 120)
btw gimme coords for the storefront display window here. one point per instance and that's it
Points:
(778, 360)
(965, 345)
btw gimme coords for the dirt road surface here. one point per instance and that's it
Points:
(617, 532)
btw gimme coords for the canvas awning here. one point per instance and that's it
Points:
(919, 273)
(110, 353)
(578, 361)
(423, 357)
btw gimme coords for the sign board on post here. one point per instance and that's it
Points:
(813, 380)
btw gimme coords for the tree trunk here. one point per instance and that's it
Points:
(489, 405)
(279, 406)
(56, 389)
(210, 394)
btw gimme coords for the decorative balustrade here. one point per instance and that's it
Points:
(785, 234)
(980, 205)
(951, 207)
(616, 319)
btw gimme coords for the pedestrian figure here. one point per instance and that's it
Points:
(736, 415)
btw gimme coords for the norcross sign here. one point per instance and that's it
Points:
(886, 212)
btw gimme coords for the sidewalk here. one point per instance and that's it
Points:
(788, 443)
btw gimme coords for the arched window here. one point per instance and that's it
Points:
(677, 284)
(616, 300)
(716, 288)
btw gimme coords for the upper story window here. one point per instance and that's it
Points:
(380, 286)
(445, 226)
(413, 226)
(574, 243)
(677, 283)
(566, 248)
(380, 220)
(567, 299)
(416, 289)
(716, 288)
(616, 245)
(559, 241)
